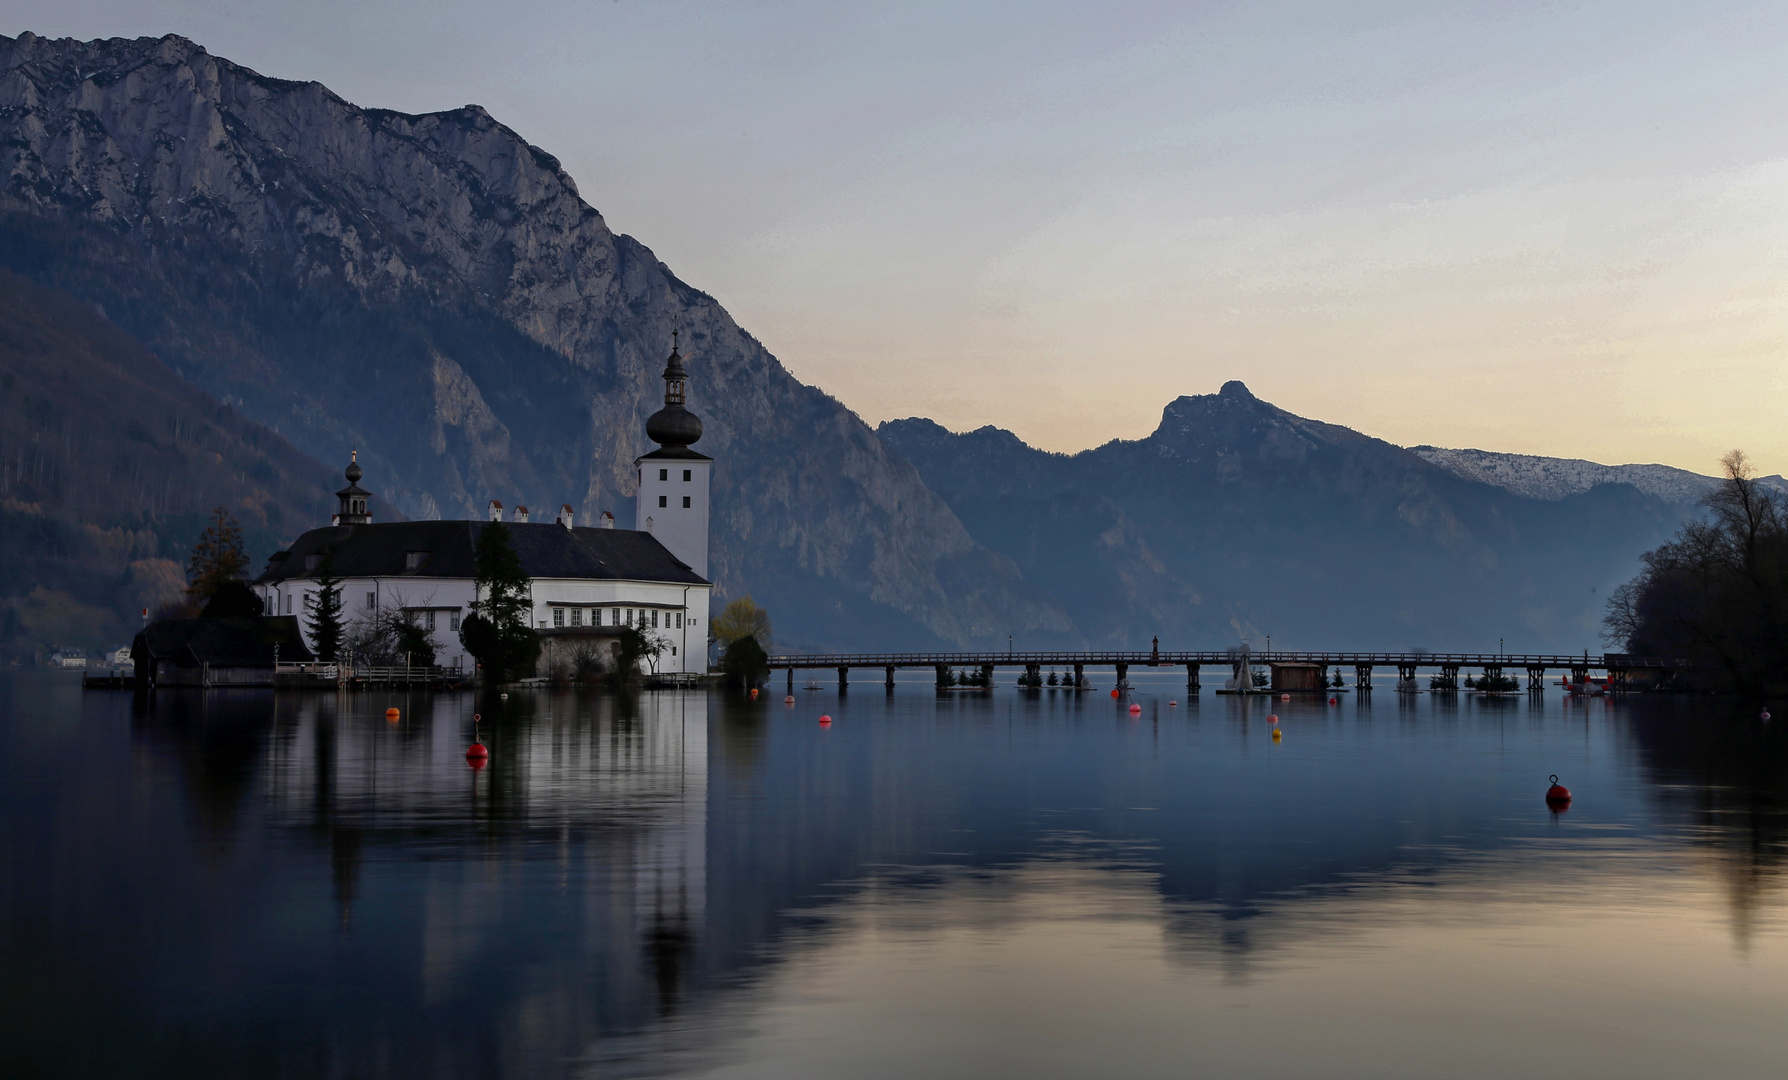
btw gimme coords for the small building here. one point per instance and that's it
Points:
(215, 652)
(1299, 678)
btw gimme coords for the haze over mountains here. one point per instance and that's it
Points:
(434, 291)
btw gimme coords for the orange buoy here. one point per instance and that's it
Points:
(392, 714)
(790, 700)
(1135, 708)
(1277, 735)
(1558, 797)
(825, 721)
(1114, 692)
(754, 693)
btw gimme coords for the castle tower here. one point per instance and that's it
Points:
(673, 479)
(351, 508)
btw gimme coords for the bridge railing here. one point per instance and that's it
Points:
(1166, 658)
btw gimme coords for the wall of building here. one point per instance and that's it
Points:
(448, 600)
(664, 485)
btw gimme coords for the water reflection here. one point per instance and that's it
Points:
(671, 883)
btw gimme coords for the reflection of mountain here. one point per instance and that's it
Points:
(634, 880)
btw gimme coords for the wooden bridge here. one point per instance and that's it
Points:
(1620, 667)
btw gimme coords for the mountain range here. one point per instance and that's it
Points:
(434, 291)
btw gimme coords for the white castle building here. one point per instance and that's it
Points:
(587, 582)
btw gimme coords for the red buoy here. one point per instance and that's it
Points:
(825, 721)
(477, 755)
(1114, 692)
(1334, 701)
(1172, 704)
(1284, 697)
(790, 700)
(1272, 718)
(754, 693)
(1135, 708)
(1558, 797)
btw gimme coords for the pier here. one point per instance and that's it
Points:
(1621, 669)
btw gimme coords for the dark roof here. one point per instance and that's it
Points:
(547, 550)
(680, 453)
(221, 642)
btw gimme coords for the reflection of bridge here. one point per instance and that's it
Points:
(1619, 666)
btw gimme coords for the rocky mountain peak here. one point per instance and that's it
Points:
(433, 289)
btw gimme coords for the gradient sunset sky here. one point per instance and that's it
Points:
(1542, 228)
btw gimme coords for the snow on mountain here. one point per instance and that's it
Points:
(1558, 478)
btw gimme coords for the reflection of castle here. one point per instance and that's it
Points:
(588, 583)
(599, 797)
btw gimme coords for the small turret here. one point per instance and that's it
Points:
(351, 501)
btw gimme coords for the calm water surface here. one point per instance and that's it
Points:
(679, 884)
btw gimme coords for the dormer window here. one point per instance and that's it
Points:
(413, 559)
(311, 562)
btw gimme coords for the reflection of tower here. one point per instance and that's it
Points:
(670, 871)
(673, 479)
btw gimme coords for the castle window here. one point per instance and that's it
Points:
(372, 599)
(664, 474)
(558, 616)
(453, 620)
(288, 603)
(663, 500)
(685, 502)
(616, 618)
(577, 616)
(413, 559)
(686, 476)
(654, 618)
(428, 619)
(679, 620)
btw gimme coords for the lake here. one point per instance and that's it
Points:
(676, 883)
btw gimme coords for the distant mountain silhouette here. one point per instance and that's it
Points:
(1238, 519)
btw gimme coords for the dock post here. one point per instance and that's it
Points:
(1192, 686)
(791, 681)
(890, 682)
(1536, 679)
(844, 679)
(1362, 676)
(1123, 676)
(1079, 676)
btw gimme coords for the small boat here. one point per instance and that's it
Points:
(813, 684)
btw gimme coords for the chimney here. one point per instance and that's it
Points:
(521, 515)
(496, 510)
(567, 517)
(607, 521)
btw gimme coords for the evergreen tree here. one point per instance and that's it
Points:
(324, 609)
(497, 632)
(217, 558)
(745, 665)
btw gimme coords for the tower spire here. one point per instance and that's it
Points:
(351, 508)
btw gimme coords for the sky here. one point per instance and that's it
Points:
(1548, 228)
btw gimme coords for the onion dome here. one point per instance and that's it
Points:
(674, 425)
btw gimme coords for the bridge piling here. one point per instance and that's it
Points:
(1123, 676)
(1079, 676)
(1192, 686)
(844, 679)
(1362, 677)
(890, 681)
